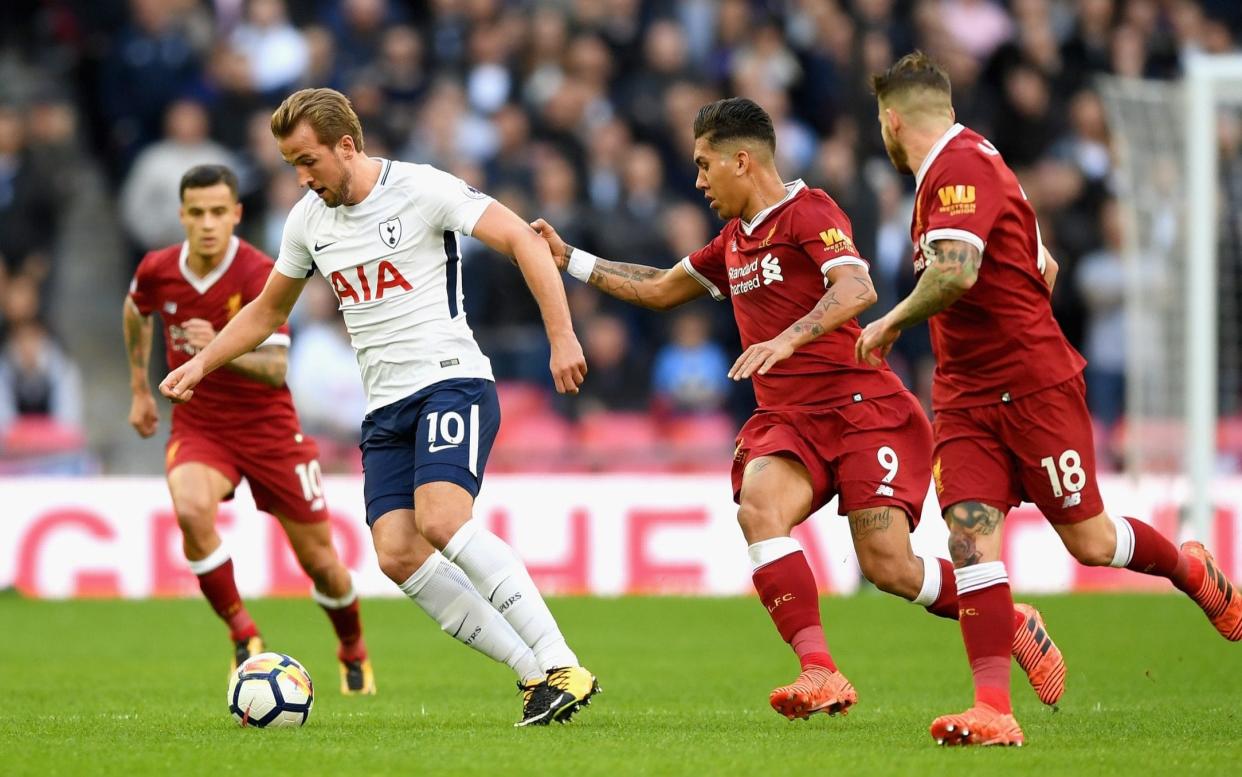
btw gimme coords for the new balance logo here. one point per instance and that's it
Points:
(884, 490)
(1072, 500)
(771, 269)
(778, 601)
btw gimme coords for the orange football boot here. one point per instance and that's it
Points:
(817, 689)
(1216, 595)
(979, 725)
(1039, 656)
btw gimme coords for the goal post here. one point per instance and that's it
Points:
(1181, 204)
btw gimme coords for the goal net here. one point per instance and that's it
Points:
(1178, 151)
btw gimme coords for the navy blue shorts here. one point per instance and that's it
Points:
(443, 433)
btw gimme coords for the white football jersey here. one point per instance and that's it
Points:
(394, 262)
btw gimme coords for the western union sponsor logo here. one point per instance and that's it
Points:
(956, 195)
(832, 237)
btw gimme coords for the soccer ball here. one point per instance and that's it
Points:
(271, 690)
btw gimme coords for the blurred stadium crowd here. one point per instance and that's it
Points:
(578, 111)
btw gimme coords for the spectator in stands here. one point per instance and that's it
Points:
(619, 375)
(150, 195)
(323, 372)
(27, 203)
(275, 50)
(690, 374)
(37, 378)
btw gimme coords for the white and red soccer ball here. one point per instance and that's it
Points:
(271, 690)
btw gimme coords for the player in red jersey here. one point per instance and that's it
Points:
(826, 426)
(1011, 416)
(244, 424)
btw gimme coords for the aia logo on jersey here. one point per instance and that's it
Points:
(390, 232)
(957, 200)
(368, 282)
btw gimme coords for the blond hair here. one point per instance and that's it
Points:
(914, 75)
(327, 111)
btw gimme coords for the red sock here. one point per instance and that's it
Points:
(946, 605)
(787, 588)
(221, 592)
(987, 620)
(347, 622)
(1153, 554)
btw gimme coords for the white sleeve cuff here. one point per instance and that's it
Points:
(702, 279)
(841, 261)
(956, 234)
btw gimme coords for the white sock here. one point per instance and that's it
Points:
(931, 582)
(445, 593)
(501, 577)
(1124, 552)
(980, 576)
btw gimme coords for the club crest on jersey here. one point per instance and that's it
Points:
(234, 305)
(390, 231)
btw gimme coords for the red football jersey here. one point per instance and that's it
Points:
(773, 269)
(165, 284)
(999, 340)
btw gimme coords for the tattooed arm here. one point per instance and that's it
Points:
(952, 269)
(849, 293)
(143, 415)
(648, 287)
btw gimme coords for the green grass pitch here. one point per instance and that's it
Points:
(137, 688)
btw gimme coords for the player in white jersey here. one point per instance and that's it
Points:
(385, 236)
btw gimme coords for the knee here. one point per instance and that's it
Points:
(398, 565)
(437, 527)
(1094, 550)
(320, 565)
(885, 571)
(196, 515)
(760, 522)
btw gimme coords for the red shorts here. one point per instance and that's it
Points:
(284, 474)
(1038, 448)
(873, 453)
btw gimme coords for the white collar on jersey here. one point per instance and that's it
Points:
(791, 189)
(948, 135)
(202, 284)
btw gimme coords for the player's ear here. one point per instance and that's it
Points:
(741, 162)
(346, 146)
(894, 120)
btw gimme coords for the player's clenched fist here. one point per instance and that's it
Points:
(179, 384)
(143, 415)
(198, 333)
(568, 365)
(555, 244)
(875, 342)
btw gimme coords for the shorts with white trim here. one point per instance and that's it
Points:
(442, 433)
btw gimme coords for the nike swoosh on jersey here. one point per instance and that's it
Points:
(325, 245)
(438, 448)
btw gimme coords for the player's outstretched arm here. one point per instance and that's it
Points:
(503, 231)
(143, 415)
(648, 287)
(850, 292)
(252, 325)
(952, 269)
(267, 364)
